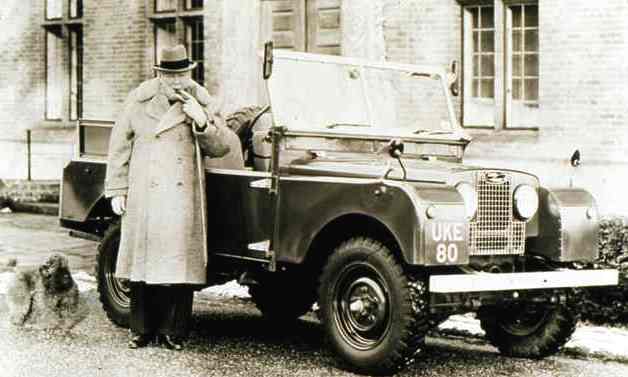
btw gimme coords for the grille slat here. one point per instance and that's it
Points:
(495, 231)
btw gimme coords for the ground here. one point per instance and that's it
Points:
(230, 338)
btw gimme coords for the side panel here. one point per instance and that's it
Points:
(307, 204)
(81, 188)
(239, 210)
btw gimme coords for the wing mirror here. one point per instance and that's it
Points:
(268, 60)
(575, 158)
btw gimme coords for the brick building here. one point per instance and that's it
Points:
(539, 79)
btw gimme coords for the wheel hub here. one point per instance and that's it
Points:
(367, 304)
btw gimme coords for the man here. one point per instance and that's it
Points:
(156, 184)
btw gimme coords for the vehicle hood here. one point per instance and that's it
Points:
(435, 171)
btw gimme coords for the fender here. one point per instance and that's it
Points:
(398, 206)
(81, 190)
(568, 225)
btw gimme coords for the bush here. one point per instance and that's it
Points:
(610, 305)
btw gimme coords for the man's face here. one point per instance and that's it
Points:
(176, 80)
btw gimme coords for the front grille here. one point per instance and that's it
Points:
(494, 230)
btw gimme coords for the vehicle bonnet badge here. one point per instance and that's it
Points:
(495, 178)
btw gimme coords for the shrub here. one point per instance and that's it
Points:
(610, 305)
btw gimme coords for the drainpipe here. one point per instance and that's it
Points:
(28, 154)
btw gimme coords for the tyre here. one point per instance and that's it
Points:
(283, 296)
(373, 313)
(528, 331)
(113, 292)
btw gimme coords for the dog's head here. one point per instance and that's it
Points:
(55, 274)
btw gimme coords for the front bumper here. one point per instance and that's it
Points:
(488, 282)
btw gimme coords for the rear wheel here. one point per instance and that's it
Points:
(374, 313)
(528, 330)
(113, 292)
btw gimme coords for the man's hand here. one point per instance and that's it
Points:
(193, 109)
(118, 204)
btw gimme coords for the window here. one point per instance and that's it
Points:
(64, 60)
(193, 4)
(76, 72)
(181, 22)
(194, 44)
(501, 86)
(54, 74)
(54, 9)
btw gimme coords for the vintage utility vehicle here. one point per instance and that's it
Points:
(356, 197)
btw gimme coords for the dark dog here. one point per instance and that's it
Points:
(46, 297)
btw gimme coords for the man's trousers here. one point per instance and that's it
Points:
(161, 309)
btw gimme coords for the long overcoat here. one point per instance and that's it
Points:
(153, 160)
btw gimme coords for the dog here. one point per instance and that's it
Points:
(45, 297)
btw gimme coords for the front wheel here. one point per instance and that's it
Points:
(528, 330)
(113, 292)
(374, 314)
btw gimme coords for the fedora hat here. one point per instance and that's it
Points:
(174, 59)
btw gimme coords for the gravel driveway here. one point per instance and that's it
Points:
(230, 338)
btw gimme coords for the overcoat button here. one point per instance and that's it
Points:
(179, 183)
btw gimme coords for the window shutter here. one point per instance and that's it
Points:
(323, 26)
(288, 24)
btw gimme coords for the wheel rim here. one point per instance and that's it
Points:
(118, 289)
(523, 320)
(361, 306)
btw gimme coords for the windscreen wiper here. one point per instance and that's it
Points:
(432, 132)
(334, 125)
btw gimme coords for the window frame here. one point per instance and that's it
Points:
(63, 27)
(503, 96)
(181, 16)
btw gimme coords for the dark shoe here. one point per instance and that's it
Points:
(139, 340)
(172, 342)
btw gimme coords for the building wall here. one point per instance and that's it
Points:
(583, 104)
(583, 69)
(115, 48)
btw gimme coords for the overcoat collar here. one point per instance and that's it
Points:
(158, 107)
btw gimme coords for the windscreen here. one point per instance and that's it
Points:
(313, 93)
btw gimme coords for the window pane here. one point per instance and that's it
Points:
(165, 5)
(476, 65)
(54, 76)
(476, 41)
(475, 19)
(54, 9)
(516, 65)
(193, 4)
(516, 16)
(487, 88)
(165, 36)
(532, 40)
(76, 8)
(532, 65)
(488, 66)
(486, 14)
(195, 47)
(532, 90)
(531, 15)
(516, 89)
(488, 41)
(76, 73)
(475, 86)
(516, 40)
